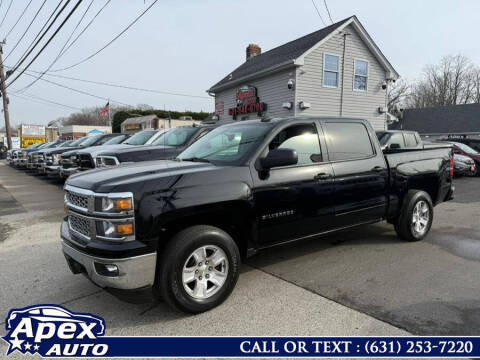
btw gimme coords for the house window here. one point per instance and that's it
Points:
(330, 70)
(360, 75)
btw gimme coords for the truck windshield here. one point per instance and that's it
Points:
(176, 137)
(226, 145)
(141, 138)
(78, 141)
(465, 148)
(115, 140)
(90, 140)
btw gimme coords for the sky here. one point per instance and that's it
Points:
(185, 46)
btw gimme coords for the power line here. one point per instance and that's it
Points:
(86, 27)
(40, 35)
(328, 11)
(48, 42)
(26, 30)
(37, 99)
(318, 12)
(80, 91)
(19, 18)
(123, 86)
(60, 52)
(9, 5)
(110, 42)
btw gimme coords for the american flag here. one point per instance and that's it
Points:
(106, 110)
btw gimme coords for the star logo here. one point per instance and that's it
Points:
(15, 343)
(27, 346)
(36, 347)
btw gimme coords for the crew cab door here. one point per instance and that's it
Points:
(360, 170)
(295, 201)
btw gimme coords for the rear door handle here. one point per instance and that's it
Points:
(323, 176)
(378, 169)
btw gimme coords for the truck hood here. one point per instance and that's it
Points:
(154, 175)
(144, 153)
(95, 150)
(59, 150)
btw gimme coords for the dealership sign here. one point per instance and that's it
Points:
(33, 130)
(247, 102)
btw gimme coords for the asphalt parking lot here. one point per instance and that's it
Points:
(359, 282)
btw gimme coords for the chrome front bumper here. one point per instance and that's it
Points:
(52, 170)
(132, 273)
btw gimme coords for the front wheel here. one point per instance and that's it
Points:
(198, 269)
(416, 216)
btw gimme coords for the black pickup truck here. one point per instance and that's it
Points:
(182, 227)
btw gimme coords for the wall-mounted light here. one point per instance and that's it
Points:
(382, 109)
(304, 105)
(287, 105)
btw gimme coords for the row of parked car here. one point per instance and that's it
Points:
(62, 158)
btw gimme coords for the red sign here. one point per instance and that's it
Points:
(219, 108)
(247, 102)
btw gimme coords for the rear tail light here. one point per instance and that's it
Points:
(452, 166)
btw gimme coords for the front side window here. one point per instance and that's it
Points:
(347, 141)
(330, 70)
(360, 75)
(301, 138)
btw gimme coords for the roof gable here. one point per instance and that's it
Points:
(293, 53)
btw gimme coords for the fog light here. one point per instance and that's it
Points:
(106, 269)
(124, 229)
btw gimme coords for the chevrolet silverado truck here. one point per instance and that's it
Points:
(182, 227)
(167, 146)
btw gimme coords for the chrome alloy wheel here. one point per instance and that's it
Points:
(205, 272)
(420, 218)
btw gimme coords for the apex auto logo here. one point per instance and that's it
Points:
(51, 330)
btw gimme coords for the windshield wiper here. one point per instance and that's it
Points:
(196, 159)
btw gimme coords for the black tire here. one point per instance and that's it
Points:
(403, 226)
(169, 284)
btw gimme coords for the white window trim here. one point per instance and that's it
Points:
(368, 75)
(323, 71)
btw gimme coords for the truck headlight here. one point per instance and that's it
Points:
(117, 230)
(116, 205)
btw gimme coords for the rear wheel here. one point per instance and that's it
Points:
(198, 269)
(416, 216)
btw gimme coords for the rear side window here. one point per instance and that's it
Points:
(301, 138)
(410, 140)
(347, 141)
(397, 138)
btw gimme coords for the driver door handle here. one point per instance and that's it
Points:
(323, 176)
(377, 169)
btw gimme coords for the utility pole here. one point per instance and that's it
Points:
(3, 89)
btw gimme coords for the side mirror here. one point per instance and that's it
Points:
(279, 157)
(394, 146)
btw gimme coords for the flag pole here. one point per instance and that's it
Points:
(109, 120)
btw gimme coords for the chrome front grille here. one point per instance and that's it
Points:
(85, 161)
(77, 200)
(79, 224)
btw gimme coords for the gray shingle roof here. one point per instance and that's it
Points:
(279, 55)
(441, 120)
